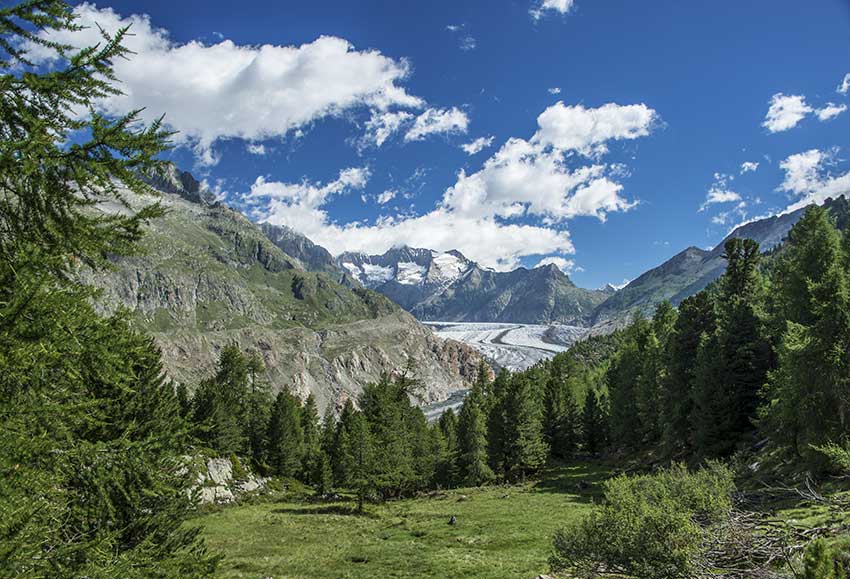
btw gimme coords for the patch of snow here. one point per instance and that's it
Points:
(353, 270)
(377, 274)
(409, 273)
(448, 267)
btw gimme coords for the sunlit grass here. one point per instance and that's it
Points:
(501, 532)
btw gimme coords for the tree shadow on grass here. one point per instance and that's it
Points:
(582, 480)
(344, 510)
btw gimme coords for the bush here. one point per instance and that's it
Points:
(822, 562)
(647, 526)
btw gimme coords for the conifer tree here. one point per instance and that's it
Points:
(285, 436)
(594, 424)
(810, 387)
(357, 452)
(472, 466)
(497, 422)
(525, 450)
(696, 319)
(312, 447)
(447, 468)
(92, 443)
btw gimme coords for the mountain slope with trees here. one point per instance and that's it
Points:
(206, 276)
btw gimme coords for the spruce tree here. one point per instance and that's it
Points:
(285, 436)
(594, 424)
(525, 449)
(312, 447)
(497, 426)
(357, 453)
(472, 466)
(810, 405)
(696, 319)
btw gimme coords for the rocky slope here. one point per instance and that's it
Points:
(208, 276)
(446, 286)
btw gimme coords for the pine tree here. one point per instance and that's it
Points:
(594, 424)
(257, 409)
(809, 388)
(497, 422)
(447, 468)
(312, 447)
(525, 450)
(696, 320)
(386, 407)
(92, 443)
(622, 378)
(472, 466)
(357, 453)
(285, 436)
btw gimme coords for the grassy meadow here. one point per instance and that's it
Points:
(501, 532)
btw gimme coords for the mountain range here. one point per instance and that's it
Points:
(207, 276)
(448, 287)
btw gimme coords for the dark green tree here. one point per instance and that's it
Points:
(594, 423)
(312, 447)
(285, 436)
(809, 405)
(525, 450)
(697, 319)
(472, 466)
(357, 453)
(92, 443)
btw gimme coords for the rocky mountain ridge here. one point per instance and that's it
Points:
(446, 286)
(208, 276)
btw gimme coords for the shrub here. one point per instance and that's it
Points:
(648, 525)
(820, 562)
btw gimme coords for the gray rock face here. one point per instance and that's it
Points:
(447, 287)
(207, 276)
(216, 485)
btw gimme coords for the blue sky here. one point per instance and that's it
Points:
(662, 103)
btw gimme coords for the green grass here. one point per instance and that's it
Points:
(501, 532)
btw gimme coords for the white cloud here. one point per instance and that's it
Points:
(436, 121)
(588, 130)
(720, 192)
(382, 125)
(541, 8)
(554, 90)
(749, 167)
(785, 112)
(478, 215)
(808, 178)
(386, 197)
(831, 110)
(477, 145)
(565, 265)
(256, 149)
(226, 90)
(454, 27)
(844, 87)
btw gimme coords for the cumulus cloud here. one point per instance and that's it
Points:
(512, 207)
(565, 265)
(807, 177)
(844, 86)
(477, 145)
(785, 112)
(831, 110)
(226, 90)
(437, 121)
(555, 90)
(256, 149)
(720, 191)
(540, 9)
(588, 130)
(749, 167)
